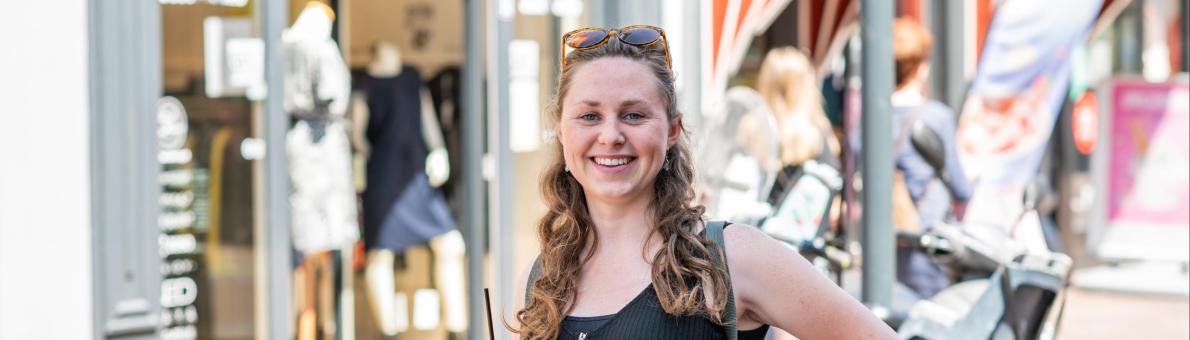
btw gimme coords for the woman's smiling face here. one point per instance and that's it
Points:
(614, 129)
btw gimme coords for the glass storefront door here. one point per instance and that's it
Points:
(208, 138)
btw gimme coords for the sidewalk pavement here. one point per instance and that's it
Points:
(1095, 314)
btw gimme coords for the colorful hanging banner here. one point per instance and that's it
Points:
(1017, 93)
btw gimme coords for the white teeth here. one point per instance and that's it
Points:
(611, 161)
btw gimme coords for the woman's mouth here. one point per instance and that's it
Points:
(612, 164)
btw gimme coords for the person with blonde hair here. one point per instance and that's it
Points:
(625, 252)
(789, 85)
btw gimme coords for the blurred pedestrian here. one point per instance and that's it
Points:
(930, 196)
(624, 252)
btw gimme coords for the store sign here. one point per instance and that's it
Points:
(172, 124)
(1147, 179)
(1150, 155)
(233, 60)
(245, 66)
(183, 197)
(172, 129)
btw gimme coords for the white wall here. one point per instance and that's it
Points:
(45, 213)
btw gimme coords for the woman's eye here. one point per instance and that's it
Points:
(589, 116)
(634, 116)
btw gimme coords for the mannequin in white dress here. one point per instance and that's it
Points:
(323, 208)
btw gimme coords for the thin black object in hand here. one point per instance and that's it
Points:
(488, 300)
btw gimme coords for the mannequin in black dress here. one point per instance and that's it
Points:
(407, 159)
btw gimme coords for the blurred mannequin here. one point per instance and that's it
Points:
(407, 158)
(322, 199)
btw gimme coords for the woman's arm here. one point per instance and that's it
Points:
(775, 285)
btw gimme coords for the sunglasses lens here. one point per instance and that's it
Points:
(639, 35)
(585, 39)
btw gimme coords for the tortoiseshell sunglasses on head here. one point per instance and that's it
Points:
(636, 35)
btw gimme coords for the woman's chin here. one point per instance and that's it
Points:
(613, 193)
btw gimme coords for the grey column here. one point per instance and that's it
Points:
(273, 19)
(878, 257)
(948, 79)
(474, 219)
(502, 194)
(956, 55)
(124, 66)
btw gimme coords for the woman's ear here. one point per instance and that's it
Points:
(675, 130)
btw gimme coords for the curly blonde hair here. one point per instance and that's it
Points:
(687, 282)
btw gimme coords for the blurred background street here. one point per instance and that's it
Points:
(364, 169)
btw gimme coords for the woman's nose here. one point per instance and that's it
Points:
(610, 133)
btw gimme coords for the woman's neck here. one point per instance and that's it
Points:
(621, 224)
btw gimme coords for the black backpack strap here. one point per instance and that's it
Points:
(715, 234)
(533, 275)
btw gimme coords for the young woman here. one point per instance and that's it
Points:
(623, 254)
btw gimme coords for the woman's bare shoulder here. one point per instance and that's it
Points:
(743, 238)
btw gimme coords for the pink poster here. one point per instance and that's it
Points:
(1149, 162)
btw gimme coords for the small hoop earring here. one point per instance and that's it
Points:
(567, 168)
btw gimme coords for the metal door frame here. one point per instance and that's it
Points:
(124, 66)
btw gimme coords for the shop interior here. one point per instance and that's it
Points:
(403, 280)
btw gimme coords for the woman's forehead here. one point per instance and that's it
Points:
(614, 81)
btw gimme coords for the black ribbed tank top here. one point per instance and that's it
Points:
(643, 318)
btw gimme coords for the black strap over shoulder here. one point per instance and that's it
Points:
(714, 232)
(533, 275)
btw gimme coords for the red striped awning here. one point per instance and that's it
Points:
(823, 27)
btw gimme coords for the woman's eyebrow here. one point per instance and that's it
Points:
(631, 103)
(623, 104)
